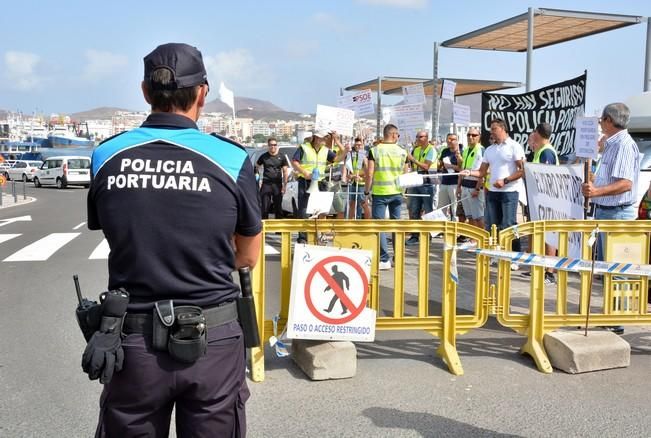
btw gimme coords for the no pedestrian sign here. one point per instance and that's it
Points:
(329, 293)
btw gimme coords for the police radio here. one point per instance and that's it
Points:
(89, 313)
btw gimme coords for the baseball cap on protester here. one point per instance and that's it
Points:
(183, 61)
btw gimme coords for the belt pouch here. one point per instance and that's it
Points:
(162, 320)
(187, 340)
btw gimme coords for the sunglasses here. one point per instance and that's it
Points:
(473, 135)
(273, 145)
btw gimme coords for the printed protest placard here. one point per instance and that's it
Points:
(587, 137)
(360, 102)
(409, 119)
(331, 118)
(447, 89)
(413, 94)
(460, 114)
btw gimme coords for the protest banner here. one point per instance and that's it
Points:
(587, 136)
(413, 94)
(554, 192)
(460, 114)
(557, 104)
(331, 118)
(409, 119)
(360, 102)
(447, 89)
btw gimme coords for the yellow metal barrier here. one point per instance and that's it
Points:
(365, 234)
(624, 300)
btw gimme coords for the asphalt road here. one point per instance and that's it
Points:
(401, 388)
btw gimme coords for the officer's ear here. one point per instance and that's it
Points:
(145, 92)
(201, 95)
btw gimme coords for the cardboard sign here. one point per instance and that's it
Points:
(409, 119)
(447, 89)
(329, 293)
(460, 114)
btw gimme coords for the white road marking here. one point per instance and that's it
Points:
(42, 249)
(101, 252)
(5, 237)
(79, 226)
(270, 250)
(14, 219)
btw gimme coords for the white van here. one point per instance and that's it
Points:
(64, 171)
(639, 126)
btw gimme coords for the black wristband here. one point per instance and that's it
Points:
(506, 180)
(366, 193)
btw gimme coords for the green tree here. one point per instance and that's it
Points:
(259, 138)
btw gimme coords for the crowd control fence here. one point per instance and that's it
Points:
(623, 300)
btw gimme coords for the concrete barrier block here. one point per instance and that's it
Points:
(323, 360)
(574, 353)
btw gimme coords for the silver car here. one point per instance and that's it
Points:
(23, 170)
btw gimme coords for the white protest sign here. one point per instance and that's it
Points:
(331, 118)
(447, 89)
(319, 203)
(554, 192)
(329, 292)
(360, 102)
(460, 114)
(409, 119)
(586, 137)
(413, 94)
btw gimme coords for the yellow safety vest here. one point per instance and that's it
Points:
(312, 159)
(357, 167)
(389, 161)
(468, 156)
(548, 146)
(420, 153)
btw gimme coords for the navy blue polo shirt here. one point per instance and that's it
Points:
(169, 200)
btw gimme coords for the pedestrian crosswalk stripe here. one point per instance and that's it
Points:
(101, 252)
(270, 250)
(5, 237)
(43, 248)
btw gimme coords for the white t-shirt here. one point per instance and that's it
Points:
(501, 160)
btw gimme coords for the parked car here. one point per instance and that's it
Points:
(63, 171)
(23, 170)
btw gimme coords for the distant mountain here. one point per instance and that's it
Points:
(252, 108)
(101, 113)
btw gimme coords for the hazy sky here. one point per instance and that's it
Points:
(69, 56)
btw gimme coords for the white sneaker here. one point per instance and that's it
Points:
(385, 265)
(515, 267)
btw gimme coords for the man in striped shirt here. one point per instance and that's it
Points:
(614, 190)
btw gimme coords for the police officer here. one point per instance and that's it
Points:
(180, 211)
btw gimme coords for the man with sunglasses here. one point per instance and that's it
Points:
(274, 179)
(470, 189)
(421, 158)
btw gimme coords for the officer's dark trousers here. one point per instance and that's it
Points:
(209, 395)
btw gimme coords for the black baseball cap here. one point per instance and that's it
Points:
(182, 60)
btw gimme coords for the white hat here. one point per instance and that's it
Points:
(320, 132)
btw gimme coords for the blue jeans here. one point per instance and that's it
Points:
(378, 210)
(502, 208)
(626, 213)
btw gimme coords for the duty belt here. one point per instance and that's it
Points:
(215, 316)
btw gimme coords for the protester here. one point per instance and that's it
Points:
(333, 176)
(355, 166)
(614, 190)
(543, 153)
(420, 159)
(470, 189)
(386, 162)
(309, 161)
(505, 159)
(450, 162)
(174, 248)
(274, 179)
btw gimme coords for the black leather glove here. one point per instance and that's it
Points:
(103, 354)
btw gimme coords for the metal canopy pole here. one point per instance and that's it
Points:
(379, 107)
(435, 95)
(647, 58)
(529, 47)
